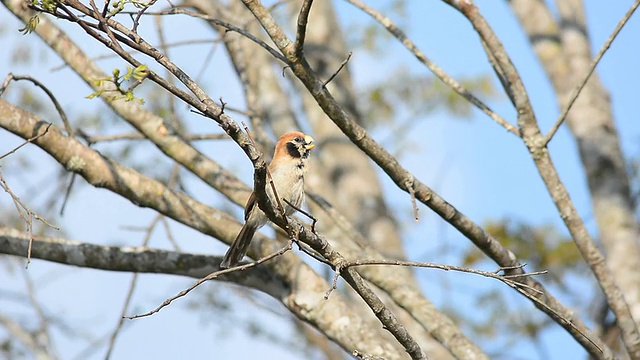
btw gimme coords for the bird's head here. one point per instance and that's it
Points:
(294, 144)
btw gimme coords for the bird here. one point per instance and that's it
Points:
(287, 169)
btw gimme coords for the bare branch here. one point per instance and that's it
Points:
(224, 24)
(135, 259)
(212, 276)
(132, 286)
(28, 215)
(342, 65)
(27, 141)
(93, 139)
(578, 89)
(435, 69)
(53, 99)
(303, 18)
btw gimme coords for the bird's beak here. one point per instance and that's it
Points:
(308, 142)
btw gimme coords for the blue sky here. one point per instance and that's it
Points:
(475, 164)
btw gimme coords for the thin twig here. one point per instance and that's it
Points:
(435, 69)
(510, 268)
(27, 218)
(26, 142)
(132, 286)
(56, 104)
(334, 282)
(226, 25)
(504, 278)
(212, 276)
(305, 213)
(5, 83)
(19, 204)
(67, 193)
(499, 71)
(412, 193)
(578, 89)
(136, 20)
(507, 279)
(342, 65)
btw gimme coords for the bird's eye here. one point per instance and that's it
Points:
(297, 139)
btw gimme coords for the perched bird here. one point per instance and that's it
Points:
(287, 171)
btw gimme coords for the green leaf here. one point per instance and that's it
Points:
(30, 26)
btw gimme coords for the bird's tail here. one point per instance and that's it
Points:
(239, 247)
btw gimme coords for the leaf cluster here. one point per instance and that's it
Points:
(135, 76)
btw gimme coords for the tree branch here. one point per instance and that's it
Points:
(303, 18)
(136, 260)
(435, 69)
(578, 89)
(56, 104)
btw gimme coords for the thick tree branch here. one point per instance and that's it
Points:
(136, 260)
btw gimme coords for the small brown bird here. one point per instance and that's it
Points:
(287, 171)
